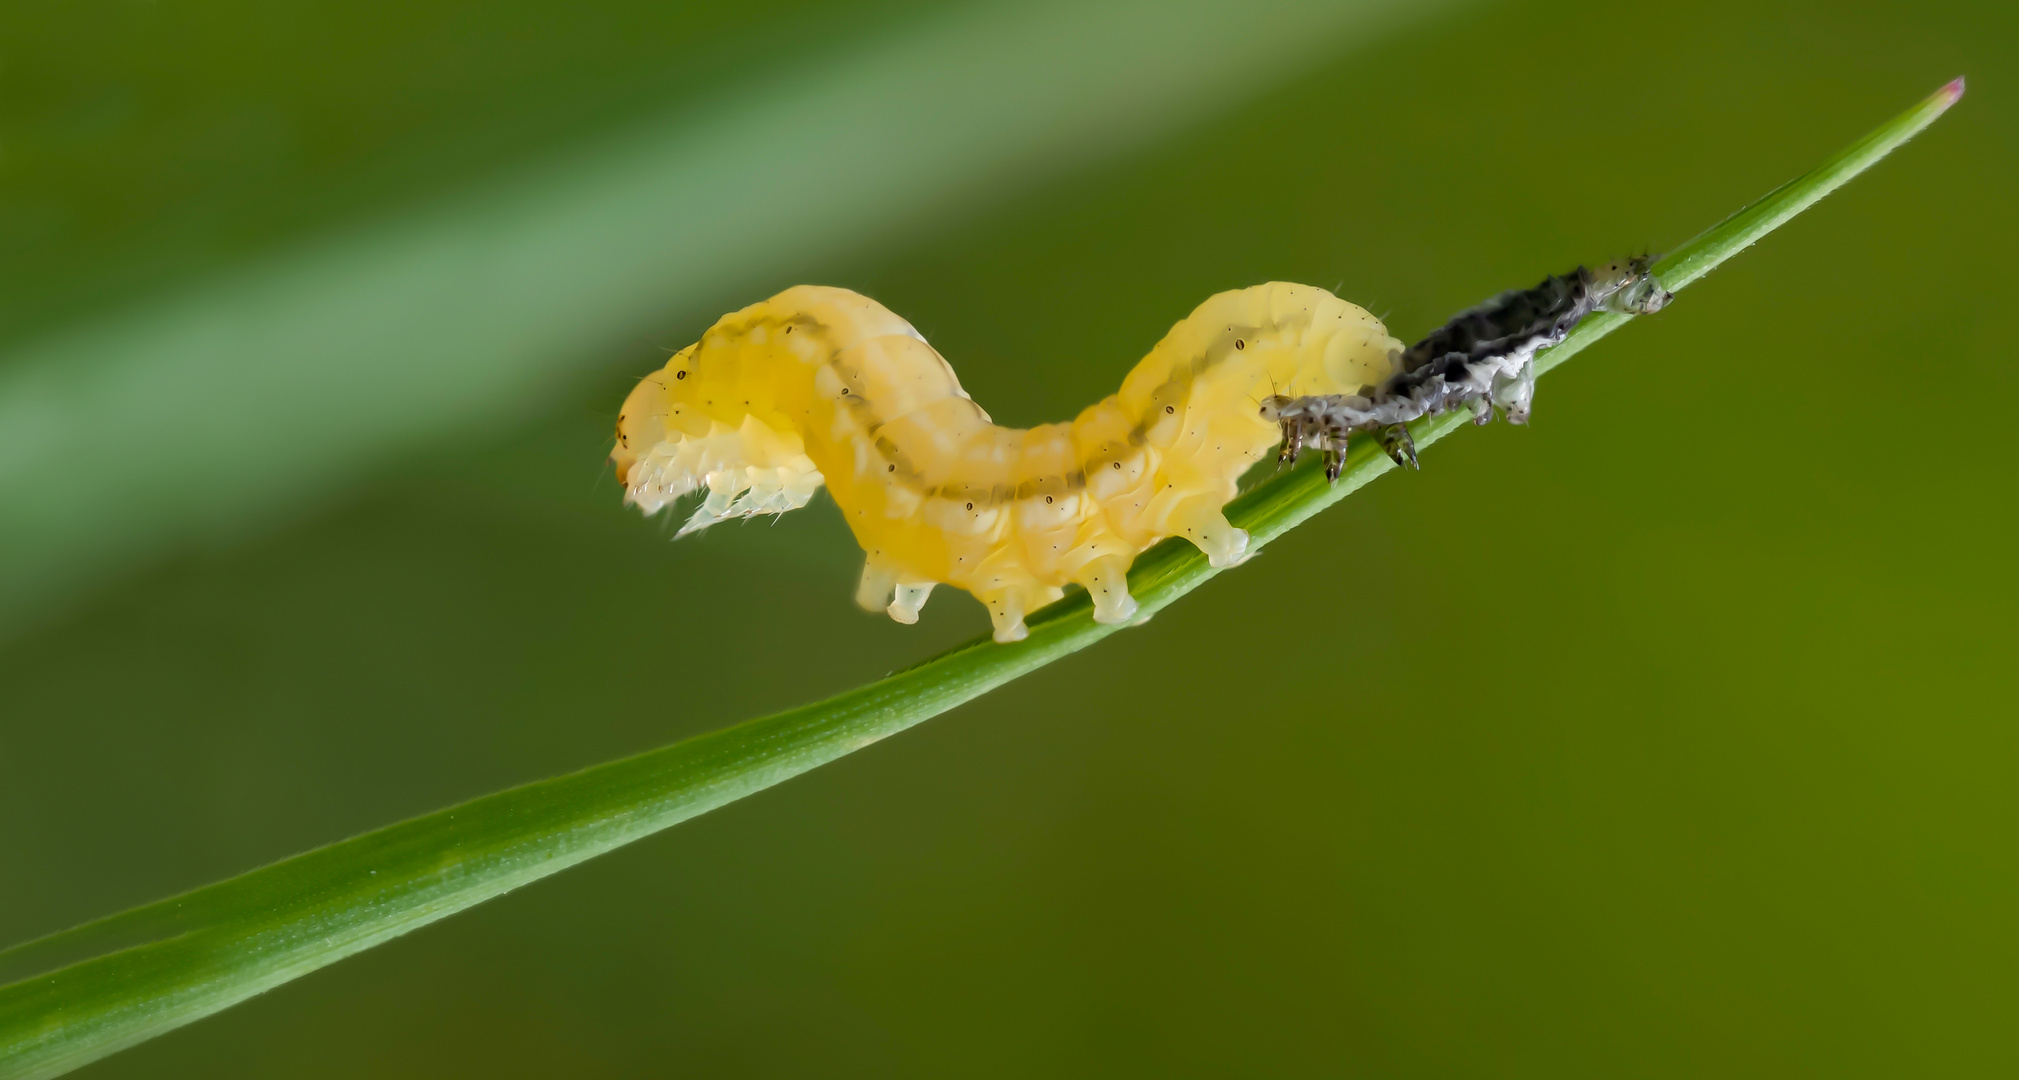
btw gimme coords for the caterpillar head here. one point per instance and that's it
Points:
(639, 428)
(1629, 287)
(660, 405)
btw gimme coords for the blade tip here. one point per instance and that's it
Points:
(1952, 92)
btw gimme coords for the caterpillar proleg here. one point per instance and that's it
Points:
(1483, 358)
(822, 385)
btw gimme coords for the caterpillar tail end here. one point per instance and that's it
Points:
(1335, 460)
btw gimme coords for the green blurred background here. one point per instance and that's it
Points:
(1672, 735)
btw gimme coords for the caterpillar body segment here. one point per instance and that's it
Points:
(824, 386)
(1484, 359)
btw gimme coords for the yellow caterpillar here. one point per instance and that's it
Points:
(821, 385)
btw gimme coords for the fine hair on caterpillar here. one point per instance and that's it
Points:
(822, 385)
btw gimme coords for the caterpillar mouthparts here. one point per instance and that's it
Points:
(822, 386)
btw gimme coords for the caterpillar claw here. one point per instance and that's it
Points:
(1400, 445)
(1293, 441)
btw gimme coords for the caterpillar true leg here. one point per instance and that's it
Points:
(1296, 427)
(1401, 445)
(1293, 441)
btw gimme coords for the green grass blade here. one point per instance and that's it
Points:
(1738, 232)
(86, 992)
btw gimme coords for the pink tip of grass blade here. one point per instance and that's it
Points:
(1952, 92)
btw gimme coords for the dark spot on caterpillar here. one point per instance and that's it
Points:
(1170, 408)
(788, 329)
(1048, 498)
(679, 374)
(892, 468)
(970, 506)
(1118, 464)
(1239, 344)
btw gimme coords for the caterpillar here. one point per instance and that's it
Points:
(822, 385)
(1483, 358)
